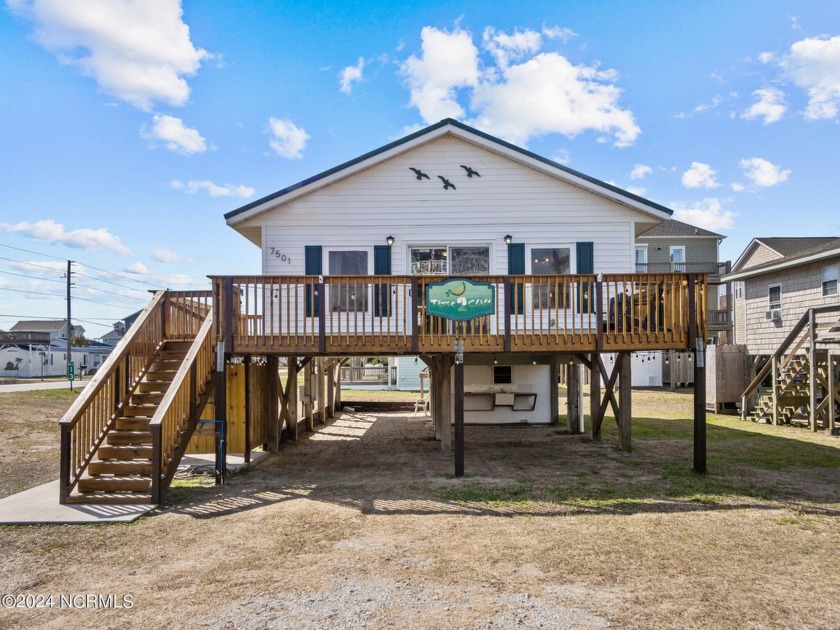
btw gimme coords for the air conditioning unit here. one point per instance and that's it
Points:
(773, 315)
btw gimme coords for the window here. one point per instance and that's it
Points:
(502, 374)
(348, 295)
(641, 258)
(677, 258)
(774, 295)
(739, 290)
(551, 262)
(469, 261)
(456, 261)
(829, 280)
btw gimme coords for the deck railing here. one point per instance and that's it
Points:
(300, 315)
(90, 416)
(176, 414)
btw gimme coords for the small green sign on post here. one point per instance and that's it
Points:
(460, 299)
(71, 371)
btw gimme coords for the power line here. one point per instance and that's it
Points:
(29, 251)
(23, 275)
(32, 264)
(61, 319)
(129, 278)
(116, 284)
(125, 297)
(56, 297)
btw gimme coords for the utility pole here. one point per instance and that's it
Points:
(70, 372)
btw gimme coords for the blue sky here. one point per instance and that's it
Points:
(129, 127)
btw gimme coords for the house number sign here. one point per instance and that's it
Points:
(276, 253)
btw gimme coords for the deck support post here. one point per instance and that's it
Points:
(308, 406)
(319, 391)
(249, 408)
(445, 402)
(554, 389)
(696, 345)
(624, 397)
(275, 418)
(575, 397)
(831, 380)
(774, 384)
(459, 419)
(331, 389)
(594, 397)
(812, 366)
(292, 399)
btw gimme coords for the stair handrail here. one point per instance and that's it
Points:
(85, 423)
(176, 415)
(782, 349)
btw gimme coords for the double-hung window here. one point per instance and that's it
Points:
(774, 297)
(829, 280)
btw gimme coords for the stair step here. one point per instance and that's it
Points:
(142, 411)
(183, 346)
(115, 484)
(152, 387)
(163, 375)
(128, 438)
(124, 453)
(110, 498)
(146, 398)
(120, 468)
(131, 424)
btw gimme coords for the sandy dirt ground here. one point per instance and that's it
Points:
(362, 524)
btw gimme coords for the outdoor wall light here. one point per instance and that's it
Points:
(389, 240)
(508, 239)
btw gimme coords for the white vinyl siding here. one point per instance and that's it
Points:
(387, 199)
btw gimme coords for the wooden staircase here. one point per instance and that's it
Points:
(793, 392)
(122, 469)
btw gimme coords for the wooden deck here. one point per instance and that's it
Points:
(364, 315)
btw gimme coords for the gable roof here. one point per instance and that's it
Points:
(673, 228)
(459, 130)
(39, 325)
(792, 251)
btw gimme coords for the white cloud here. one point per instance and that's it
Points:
(175, 135)
(520, 92)
(770, 106)
(511, 47)
(763, 173)
(137, 267)
(557, 32)
(85, 238)
(636, 190)
(137, 51)
(562, 156)
(351, 75)
(737, 186)
(448, 61)
(708, 214)
(287, 139)
(813, 64)
(166, 256)
(699, 176)
(716, 101)
(215, 190)
(640, 170)
(766, 57)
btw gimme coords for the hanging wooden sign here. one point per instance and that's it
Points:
(460, 299)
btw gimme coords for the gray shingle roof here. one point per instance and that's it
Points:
(38, 325)
(791, 246)
(678, 228)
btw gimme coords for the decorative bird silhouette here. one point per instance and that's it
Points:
(420, 174)
(446, 183)
(470, 172)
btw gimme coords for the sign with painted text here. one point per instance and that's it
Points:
(460, 299)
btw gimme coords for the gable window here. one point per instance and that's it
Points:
(829, 280)
(347, 294)
(554, 262)
(774, 297)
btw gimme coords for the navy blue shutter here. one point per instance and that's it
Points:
(516, 266)
(586, 264)
(381, 292)
(313, 260)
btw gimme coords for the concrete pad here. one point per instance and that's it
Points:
(40, 506)
(235, 463)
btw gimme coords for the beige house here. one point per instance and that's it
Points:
(775, 281)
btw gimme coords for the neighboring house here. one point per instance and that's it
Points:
(775, 280)
(677, 246)
(34, 354)
(451, 200)
(112, 337)
(57, 328)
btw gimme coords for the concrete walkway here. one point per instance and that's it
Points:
(40, 506)
(38, 385)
